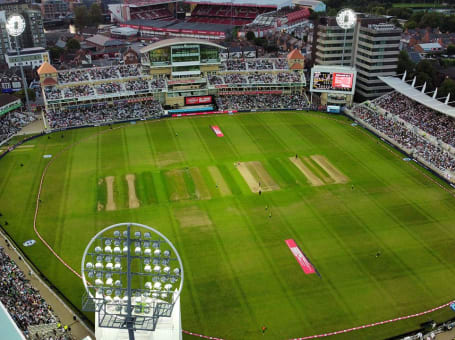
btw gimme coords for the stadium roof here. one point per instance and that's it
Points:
(254, 3)
(9, 328)
(407, 90)
(175, 41)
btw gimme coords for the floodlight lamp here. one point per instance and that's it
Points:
(135, 267)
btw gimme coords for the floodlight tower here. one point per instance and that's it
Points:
(15, 25)
(346, 19)
(133, 276)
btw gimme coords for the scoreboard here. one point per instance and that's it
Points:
(333, 79)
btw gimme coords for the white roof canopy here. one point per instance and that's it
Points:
(416, 95)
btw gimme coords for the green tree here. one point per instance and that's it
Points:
(411, 24)
(422, 77)
(405, 63)
(447, 86)
(451, 49)
(55, 52)
(95, 15)
(21, 94)
(250, 35)
(73, 45)
(81, 18)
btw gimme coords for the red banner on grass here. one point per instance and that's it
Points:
(300, 257)
(217, 131)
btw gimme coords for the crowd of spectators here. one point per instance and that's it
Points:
(131, 70)
(261, 102)
(12, 122)
(102, 113)
(235, 78)
(73, 76)
(77, 91)
(436, 124)
(54, 92)
(252, 64)
(404, 137)
(261, 77)
(99, 73)
(256, 78)
(23, 302)
(107, 88)
(137, 85)
(289, 77)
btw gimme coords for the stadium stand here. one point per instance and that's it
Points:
(222, 14)
(102, 113)
(405, 138)
(436, 124)
(12, 122)
(25, 305)
(261, 102)
(157, 12)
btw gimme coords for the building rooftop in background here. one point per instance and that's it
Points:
(9, 328)
(104, 41)
(315, 5)
(255, 3)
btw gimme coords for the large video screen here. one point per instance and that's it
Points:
(332, 81)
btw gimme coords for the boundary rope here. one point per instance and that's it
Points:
(215, 338)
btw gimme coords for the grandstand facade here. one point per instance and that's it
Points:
(173, 73)
(207, 20)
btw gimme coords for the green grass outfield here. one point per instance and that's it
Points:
(239, 273)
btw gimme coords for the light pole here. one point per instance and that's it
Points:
(346, 19)
(133, 276)
(15, 25)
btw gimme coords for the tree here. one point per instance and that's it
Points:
(405, 63)
(411, 24)
(447, 86)
(21, 94)
(451, 49)
(55, 52)
(81, 18)
(73, 45)
(250, 35)
(95, 15)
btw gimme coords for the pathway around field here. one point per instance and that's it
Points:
(394, 152)
(110, 205)
(133, 202)
(310, 176)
